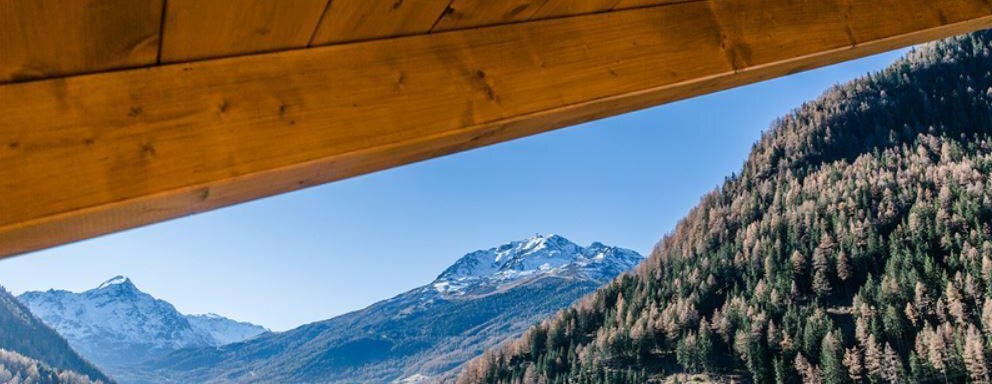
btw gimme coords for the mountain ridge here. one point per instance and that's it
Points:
(426, 332)
(117, 326)
(539, 255)
(32, 348)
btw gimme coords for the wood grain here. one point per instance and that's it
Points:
(473, 13)
(477, 13)
(88, 155)
(351, 20)
(558, 8)
(626, 4)
(50, 38)
(199, 29)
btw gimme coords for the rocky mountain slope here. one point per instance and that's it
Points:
(117, 326)
(426, 333)
(30, 350)
(855, 245)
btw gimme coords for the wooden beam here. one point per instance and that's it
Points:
(558, 8)
(49, 38)
(351, 20)
(197, 29)
(624, 4)
(473, 13)
(88, 155)
(462, 14)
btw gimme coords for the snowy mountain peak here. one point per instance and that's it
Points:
(116, 322)
(116, 281)
(537, 256)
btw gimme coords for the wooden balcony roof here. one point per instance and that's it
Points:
(120, 113)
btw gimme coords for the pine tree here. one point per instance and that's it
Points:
(852, 361)
(782, 373)
(892, 371)
(910, 313)
(873, 357)
(974, 356)
(955, 305)
(705, 347)
(843, 266)
(810, 373)
(987, 317)
(821, 283)
(798, 263)
(831, 360)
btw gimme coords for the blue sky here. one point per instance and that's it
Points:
(313, 254)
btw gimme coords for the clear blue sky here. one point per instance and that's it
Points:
(313, 254)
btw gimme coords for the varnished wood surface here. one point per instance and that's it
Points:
(351, 20)
(52, 38)
(557, 8)
(198, 29)
(473, 13)
(87, 155)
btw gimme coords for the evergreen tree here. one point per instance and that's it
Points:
(854, 365)
(831, 360)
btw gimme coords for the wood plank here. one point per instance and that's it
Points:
(476, 13)
(626, 4)
(88, 155)
(49, 38)
(351, 20)
(473, 13)
(558, 8)
(198, 29)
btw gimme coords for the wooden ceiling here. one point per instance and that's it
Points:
(120, 113)
(53, 38)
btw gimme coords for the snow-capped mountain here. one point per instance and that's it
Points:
(33, 351)
(117, 326)
(425, 333)
(553, 255)
(223, 330)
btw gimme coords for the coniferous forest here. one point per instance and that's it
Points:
(854, 246)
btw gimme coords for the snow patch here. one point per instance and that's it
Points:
(414, 379)
(116, 280)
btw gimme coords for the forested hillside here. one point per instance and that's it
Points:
(17, 368)
(854, 246)
(31, 350)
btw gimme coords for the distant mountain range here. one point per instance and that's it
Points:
(117, 326)
(424, 334)
(30, 351)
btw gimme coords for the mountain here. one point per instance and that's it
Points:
(481, 272)
(223, 330)
(29, 349)
(855, 245)
(424, 334)
(117, 326)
